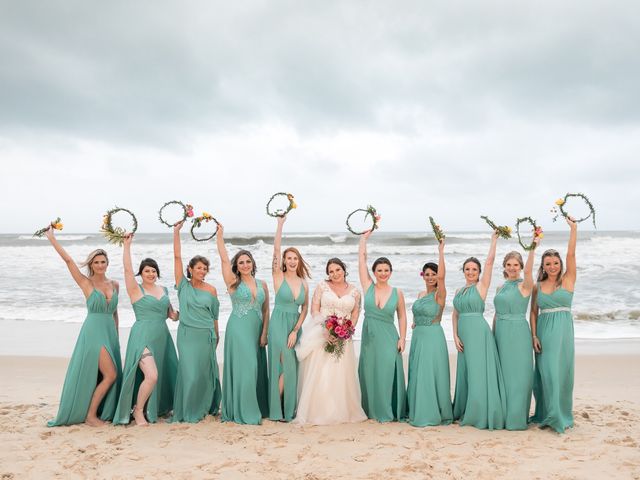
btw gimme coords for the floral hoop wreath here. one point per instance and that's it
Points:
(113, 234)
(55, 224)
(437, 231)
(369, 211)
(186, 208)
(537, 232)
(503, 231)
(197, 223)
(562, 201)
(279, 212)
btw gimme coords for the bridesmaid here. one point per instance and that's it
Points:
(513, 337)
(245, 391)
(429, 388)
(552, 330)
(380, 368)
(290, 310)
(92, 383)
(479, 395)
(197, 391)
(151, 363)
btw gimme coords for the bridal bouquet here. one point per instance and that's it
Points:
(341, 330)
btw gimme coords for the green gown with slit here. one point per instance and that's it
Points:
(429, 387)
(98, 330)
(197, 391)
(282, 360)
(513, 340)
(380, 367)
(245, 397)
(149, 331)
(479, 398)
(553, 377)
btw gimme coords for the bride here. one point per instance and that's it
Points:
(328, 387)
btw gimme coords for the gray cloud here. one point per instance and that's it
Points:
(148, 73)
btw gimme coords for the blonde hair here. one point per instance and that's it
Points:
(89, 260)
(542, 275)
(508, 257)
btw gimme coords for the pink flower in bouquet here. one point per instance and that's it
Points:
(339, 331)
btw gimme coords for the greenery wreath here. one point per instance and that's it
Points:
(279, 212)
(187, 212)
(503, 231)
(537, 232)
(370, 210)
(113, 234)
(437, 231)
(560, 203)
(197, 223)
(55, 224)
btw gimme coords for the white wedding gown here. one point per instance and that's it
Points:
(328, 388)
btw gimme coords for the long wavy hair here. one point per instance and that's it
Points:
(542, 275)
(303, 267)
(234, 267)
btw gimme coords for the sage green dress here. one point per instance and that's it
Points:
(553, 378)
(479, 398)
(150, 331)
(429, 387)
(245, 397)
(197, 391)
(98, 330)
(380, 369)
(513, 340)
(282, 360)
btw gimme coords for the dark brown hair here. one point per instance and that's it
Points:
(336, 261)
(193, 262)
(149, 262)
(234, 267)
(381, 261)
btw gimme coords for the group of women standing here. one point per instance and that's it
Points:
(297, 379)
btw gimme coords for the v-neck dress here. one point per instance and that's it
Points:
(553, 377)
(380, 369)
(282, 360)
(245, 382)
(98, 331)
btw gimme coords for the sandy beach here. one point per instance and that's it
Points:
(605, 442)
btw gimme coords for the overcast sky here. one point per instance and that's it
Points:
(452, 109)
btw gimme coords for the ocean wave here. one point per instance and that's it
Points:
(615, 315)
(59, 237)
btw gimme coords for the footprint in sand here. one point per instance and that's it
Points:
(45, 435)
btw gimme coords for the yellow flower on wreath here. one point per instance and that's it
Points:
(58, 226)
(560, 202)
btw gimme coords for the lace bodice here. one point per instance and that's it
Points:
(331, 304)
